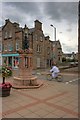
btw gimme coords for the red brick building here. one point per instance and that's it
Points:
(13, 37)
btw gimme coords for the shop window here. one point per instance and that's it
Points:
(5, 61)
(10, 61)
(16, 62)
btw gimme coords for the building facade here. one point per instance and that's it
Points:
(13, 39)
(57, 51)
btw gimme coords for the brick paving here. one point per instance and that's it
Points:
(52, 100)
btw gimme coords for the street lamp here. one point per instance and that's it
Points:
(54, 31)
(55, 38)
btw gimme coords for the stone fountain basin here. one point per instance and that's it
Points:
(26, 82)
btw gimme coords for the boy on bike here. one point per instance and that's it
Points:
(55, 70)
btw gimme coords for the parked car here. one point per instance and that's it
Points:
(73, 64)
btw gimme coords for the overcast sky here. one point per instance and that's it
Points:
(63, 15)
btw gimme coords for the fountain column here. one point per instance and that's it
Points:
(25, 78)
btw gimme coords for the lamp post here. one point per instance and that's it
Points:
(54, 30)
(55, 39)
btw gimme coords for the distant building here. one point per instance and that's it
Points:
(57, 51)
(13, 38)
(76, 56)
(71, 56)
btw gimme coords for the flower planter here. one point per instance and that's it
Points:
(5, 87)
(4, 92)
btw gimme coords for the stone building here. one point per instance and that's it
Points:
(13, 38)
(57, 51)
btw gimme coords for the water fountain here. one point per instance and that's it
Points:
(25, 78)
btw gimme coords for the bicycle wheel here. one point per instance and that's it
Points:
(49, 77)
(60, 78)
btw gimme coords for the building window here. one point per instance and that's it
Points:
(59, 58)
(36, 38)
(38, 48)
(17, 46)
(5, 34)
(41, 38)
(10, 47)
(5, 47)
(48, 50)
(10, 34)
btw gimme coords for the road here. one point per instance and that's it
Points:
(70, 76)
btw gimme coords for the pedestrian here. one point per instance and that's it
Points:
(55, 70)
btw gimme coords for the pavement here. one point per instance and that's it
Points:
(52, 100)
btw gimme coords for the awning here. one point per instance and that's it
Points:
(6, 55)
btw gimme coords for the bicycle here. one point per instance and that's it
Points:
(59, 78)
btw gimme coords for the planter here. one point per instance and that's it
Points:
(4, 92)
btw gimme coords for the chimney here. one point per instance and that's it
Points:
(6, 21)
(38, 25)
(16, 24)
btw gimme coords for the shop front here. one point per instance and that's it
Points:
(11, 60)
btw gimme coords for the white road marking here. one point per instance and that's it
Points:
(72, 80)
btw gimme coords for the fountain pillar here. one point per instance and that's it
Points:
(25, 78)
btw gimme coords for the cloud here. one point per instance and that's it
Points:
(23, 7)
(59, 11)
(69, 30)
(62, 14)
(56, 11)
(40, 1)
(69, 48)
(23, 12)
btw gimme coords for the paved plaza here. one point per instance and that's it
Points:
(52, 100)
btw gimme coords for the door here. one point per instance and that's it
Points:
(10, 61)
